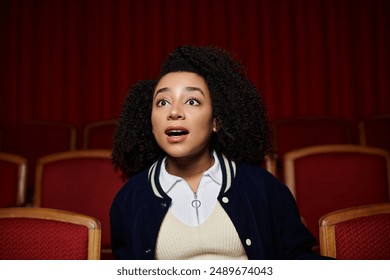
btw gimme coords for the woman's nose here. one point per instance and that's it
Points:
(176, 112)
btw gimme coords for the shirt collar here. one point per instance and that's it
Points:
(168, 180)
(214, 172)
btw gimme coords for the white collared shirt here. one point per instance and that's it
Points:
(182, 195)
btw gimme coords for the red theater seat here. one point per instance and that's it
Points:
(331, 177)
(358, 233)
(48, 234)
(82, 181)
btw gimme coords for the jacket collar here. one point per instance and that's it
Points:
(228, 173)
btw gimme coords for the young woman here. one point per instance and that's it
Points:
(192, 143)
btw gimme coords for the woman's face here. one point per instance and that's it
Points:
(182, 115)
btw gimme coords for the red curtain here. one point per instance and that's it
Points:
(73, 61)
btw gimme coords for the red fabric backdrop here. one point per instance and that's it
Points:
(73, 61)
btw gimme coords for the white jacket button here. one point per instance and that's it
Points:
(248, 242)
(225, 199)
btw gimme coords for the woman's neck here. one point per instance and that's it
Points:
(191, 170)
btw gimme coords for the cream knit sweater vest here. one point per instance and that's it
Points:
(216, 238)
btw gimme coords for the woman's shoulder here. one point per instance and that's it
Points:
(254, 171)
(136, 184)
(257, 183)
(256, 177)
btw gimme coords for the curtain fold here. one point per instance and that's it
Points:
(74, 61)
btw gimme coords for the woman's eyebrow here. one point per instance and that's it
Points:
(164, 89)
(194, 89)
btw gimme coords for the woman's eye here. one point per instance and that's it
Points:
(193, 102)
(162, 103)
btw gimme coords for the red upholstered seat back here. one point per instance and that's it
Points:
(8, 184)
(36, 139)
(42, 239)
(375, 132)
(79, 181)
(327, 181)
(296, 133)
(364, 238)
(99, 135)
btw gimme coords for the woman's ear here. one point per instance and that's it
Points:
(215, 125)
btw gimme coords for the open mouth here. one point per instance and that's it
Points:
(176, 132)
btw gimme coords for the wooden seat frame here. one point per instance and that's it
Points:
(93, 224)
(21, 163)
(328, 222)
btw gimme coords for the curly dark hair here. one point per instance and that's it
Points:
(244, 132)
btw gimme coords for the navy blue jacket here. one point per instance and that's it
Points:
(261, 208)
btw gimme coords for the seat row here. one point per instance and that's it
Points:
(82, 181)
(322, 179)
(295, 133)
(57, 136)
(356, 233)
(35, 139)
